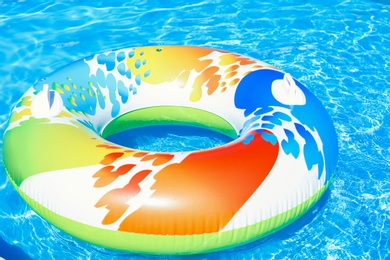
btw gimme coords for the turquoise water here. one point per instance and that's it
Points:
(339, 49)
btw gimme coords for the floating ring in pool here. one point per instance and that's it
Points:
(279, 164)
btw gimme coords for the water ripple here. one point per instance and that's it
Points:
(340, 49)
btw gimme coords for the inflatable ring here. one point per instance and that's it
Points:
(279, 164)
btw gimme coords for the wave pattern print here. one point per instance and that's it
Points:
(263, 110)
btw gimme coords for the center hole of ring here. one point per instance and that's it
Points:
(169, 129)
(169, 138)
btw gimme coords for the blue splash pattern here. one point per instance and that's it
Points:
(260, 104)
(108, 60)
(115, 61)
(290, 146)
(312, 154)
(267, 136)
(121, 56)
(113, 88)
(139, 62)
(276, 118)
(247, 139)
(83, 89)
(79, 93)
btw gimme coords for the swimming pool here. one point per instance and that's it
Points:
(339, 49)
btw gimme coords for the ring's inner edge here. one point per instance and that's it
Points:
(169, 115)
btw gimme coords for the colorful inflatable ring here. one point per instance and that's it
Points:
(280, 162)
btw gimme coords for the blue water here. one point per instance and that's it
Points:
(169, 138)
(339, 49)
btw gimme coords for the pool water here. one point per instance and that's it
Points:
(339, 49)
(170, 138)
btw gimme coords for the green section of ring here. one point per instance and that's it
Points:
(38, 146)
(166, 115)
(172, 245)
